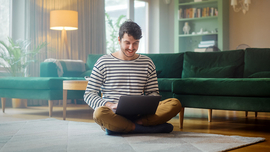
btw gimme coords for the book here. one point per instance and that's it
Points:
(208, 42)
(205, 45)
(199, 49)
(180, 13)
(196, 12)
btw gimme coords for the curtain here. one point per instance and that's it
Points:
(88, 39)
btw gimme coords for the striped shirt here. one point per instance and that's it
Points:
(115, 77)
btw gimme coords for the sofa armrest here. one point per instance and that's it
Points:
(48, 69)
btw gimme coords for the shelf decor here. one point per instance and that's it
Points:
(205, 18)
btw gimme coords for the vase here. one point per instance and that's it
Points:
(186, 28)
(19, 103)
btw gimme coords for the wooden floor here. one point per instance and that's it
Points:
(224, 122)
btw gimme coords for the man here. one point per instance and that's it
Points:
(127, 73)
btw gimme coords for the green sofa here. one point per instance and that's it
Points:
(229, 80)
(167, 73)
(31, 88)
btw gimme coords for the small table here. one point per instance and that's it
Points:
(71, 85)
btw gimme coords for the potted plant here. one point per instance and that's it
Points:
(16, 57)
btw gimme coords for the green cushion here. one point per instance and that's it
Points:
(169, 65)
(256, 60)
(73, 78)
(264, 74)
(72, 74)
(91, 60)
(48, 69)
(249, 87)
(86, 73)
(38, 83)
(32, 94)
(165, 95)
(209, 62)
(165, 84)
(215, 72)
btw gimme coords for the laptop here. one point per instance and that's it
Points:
(137, 105)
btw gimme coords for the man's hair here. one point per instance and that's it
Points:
(131, 28)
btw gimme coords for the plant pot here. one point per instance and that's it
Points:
(19, 103)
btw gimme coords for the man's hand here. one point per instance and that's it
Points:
(112, 106)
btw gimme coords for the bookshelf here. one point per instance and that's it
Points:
(214, 23)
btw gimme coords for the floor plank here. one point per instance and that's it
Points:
(195, 120)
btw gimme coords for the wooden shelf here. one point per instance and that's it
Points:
(193, 35)
(198, 3)
(188, 42)
(200, 18)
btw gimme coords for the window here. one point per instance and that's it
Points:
(4, 29)
(116, 13)
(141, 17)
(4, 18)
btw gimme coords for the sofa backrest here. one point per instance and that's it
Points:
(91, 60)
(168, 65)
(224, 64)
(50, 69)
(257, 63)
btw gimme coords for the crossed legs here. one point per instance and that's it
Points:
(166, 110)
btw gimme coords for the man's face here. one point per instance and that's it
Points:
(129, 47)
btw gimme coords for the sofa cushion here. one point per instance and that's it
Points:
(263, 74)
(209, 63)
(91, 60)
(245, 87)
(44, 94)
(86, 73)
(256, 60)
(169, 65)
(215, 72)
(48, 69)
(165, 84)
(32, 83)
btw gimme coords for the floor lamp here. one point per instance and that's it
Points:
(64, 20)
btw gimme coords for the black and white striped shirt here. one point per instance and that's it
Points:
(117, 77)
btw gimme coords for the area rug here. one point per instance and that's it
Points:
(58, 135)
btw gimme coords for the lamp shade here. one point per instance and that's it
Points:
(63, 19)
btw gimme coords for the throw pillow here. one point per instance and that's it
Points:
(215, 72)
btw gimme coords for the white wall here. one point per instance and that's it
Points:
(161, 26)
(251, 28)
